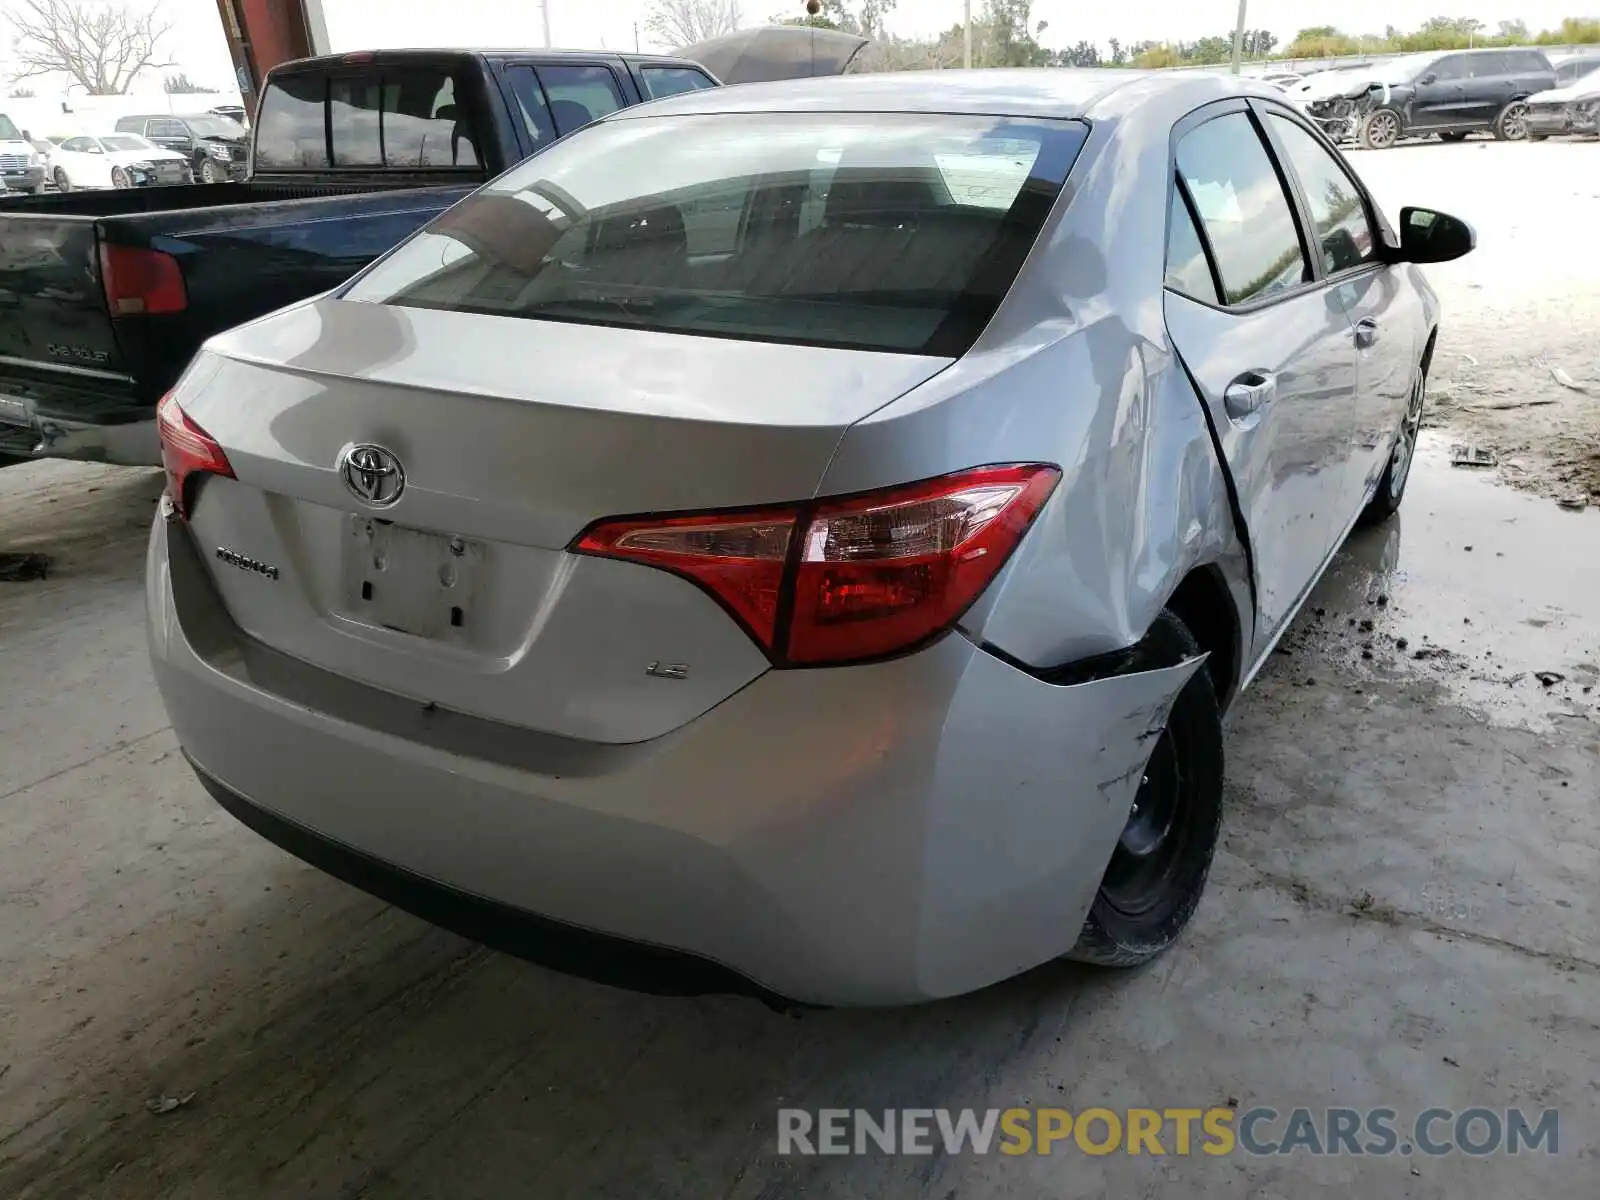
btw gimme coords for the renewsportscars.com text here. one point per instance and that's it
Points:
(1167, 1131)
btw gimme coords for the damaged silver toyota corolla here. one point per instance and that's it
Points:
(797, 539)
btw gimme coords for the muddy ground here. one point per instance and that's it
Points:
(1517, 368)
(1405, 911)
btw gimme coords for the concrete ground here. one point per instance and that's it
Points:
(1403, 914)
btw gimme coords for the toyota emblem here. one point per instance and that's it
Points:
(373, 474)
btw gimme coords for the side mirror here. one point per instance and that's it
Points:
(1427, 236)
(1430, 77)
(27, 135)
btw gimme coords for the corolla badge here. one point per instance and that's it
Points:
(373, 475)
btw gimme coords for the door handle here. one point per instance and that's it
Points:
(1250, 393)
(1366, 332)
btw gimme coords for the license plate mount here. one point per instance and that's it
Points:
(410, 580)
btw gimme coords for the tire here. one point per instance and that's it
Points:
(1153, 882)
(1380, 129)
(210, 172)
(1452, 137)
(63, 184)
(1512, 123)
(1391, 491)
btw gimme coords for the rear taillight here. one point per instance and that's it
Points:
(140, 282)
(186, 450)
(833, 581)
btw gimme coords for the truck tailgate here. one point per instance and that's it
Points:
(53, 311)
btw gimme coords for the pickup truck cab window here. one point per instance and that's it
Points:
(670, 81)
(579, 95)
(532, 106)
(291, 129)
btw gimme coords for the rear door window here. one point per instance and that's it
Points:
(166, 129)
(671, 81)
(579, 95)
(1241, 202)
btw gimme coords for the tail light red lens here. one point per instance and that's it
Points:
(861, 577)
(140, 282)
(186, 450)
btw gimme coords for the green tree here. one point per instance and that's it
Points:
(1084, 54)
(1119, 55)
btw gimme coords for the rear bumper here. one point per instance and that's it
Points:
(882, 834)
(93, 418)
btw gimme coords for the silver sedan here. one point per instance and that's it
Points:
(797, 539)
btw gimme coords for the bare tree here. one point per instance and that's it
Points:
(100, 47)
(678, 23)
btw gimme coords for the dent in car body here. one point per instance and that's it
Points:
(1144, 500)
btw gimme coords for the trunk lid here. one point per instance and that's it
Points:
(512, 436)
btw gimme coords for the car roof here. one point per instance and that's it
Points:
(1044, 92)
(498, 53)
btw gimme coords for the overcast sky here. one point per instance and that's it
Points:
(197, 42)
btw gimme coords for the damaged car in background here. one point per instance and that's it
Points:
(1573, 105)
(861, 634)
(1449, 94)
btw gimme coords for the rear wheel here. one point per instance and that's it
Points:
(1158, 870)
(1380, 129)
(1385, 501)
(1512, 123)
(63, 184)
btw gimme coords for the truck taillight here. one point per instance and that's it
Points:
(140, 282)
(186, 450)
(860, 577)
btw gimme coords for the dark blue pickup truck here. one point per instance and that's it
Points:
(105, 296)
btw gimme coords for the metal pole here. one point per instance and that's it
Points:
(1238, 36)
(544, 7)
(966, 34)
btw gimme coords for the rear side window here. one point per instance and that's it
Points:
(396, 119)
(1490, 64)
(172, 129)
(670, 81)
(579, 95)
(1247, 216)
(898, 232)
(1449, 68)
(1188, 270)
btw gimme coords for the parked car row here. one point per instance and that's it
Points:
(1511, 93)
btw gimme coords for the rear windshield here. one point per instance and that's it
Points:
(400, 118)
(893, 232)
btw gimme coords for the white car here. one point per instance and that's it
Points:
(117, 160)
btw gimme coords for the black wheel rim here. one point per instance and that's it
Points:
(1515, 122)
(1383, 129)
(1152, 842)
(1405, 443)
